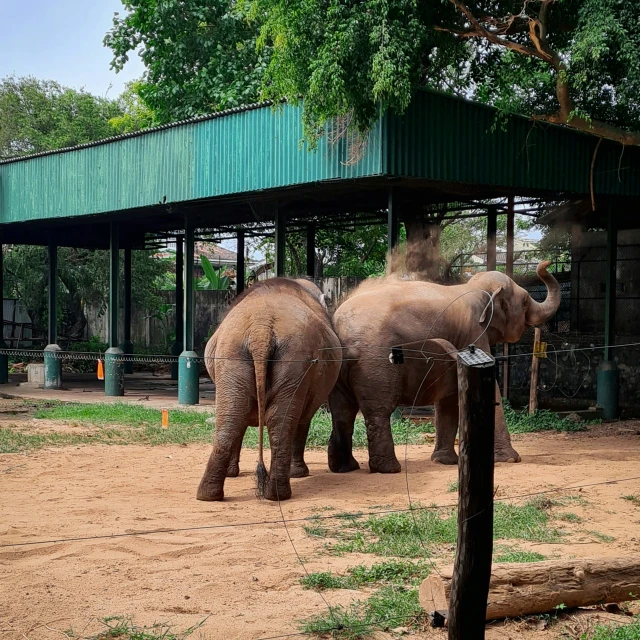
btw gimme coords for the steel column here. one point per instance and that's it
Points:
(4, 359)
(240, 263)
(176, 347)
(608, 374)
(127, 344)
(492, 227)
(113, 365)
(509, 271)
(280, 239)
(393, 224)
(188, 367)
(52, 363)
(311, 249)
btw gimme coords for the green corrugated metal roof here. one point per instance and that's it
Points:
(439, 138)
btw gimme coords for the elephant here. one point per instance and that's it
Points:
(430, 322)
(274, 359)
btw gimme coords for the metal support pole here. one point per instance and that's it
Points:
(608, 374)
(52, 361)
(240, 263)
(492, 227)
(4, 359)
(509, 271)
(311, 249)
(188, 366)
(393, 224)
(177, 346)
(113, 365)
(127, 344)
(280, 242)
(472, 569)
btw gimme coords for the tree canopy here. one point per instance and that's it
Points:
(200, 55)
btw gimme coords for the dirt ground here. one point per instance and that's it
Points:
(244, 579)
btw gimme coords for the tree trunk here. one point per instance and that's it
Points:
(423, 248)
(518, 589)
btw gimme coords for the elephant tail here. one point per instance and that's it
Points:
(261, 354)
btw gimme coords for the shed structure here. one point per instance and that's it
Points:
(247, 168)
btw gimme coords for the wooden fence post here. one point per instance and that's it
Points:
(535, 372)
(472, 570)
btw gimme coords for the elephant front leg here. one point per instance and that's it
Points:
(299, 468)
(446, 429)
(503, 451)
(343, 416)
(382, 453)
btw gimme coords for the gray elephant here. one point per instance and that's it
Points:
(274, 359)
(392, 311)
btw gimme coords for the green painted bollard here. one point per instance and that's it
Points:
(176, 350)
(127, 349)
(52, 367)
(113, 372)
(608, 388)
(188, 378)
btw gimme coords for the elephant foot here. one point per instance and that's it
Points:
(337, 466)
(283, 491)
(506, 454)
(234, 470)
(210, 493)
(445, 457)
(379, 464)
(299, 470)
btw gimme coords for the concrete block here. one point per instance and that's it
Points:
(35, 373)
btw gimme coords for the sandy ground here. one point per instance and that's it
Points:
(245, 579)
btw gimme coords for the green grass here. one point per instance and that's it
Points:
(635, 500)
(420, 532)
(603, 537)
(392, 606)
(615, 632)
(123, 628)
(452, 487)
(388, 572)
(505, 553)
(541, 420)
(569, 517)
(123, 423)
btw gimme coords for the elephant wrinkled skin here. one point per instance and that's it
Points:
(431, 322)
(274, 359)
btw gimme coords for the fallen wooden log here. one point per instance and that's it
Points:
(518, 589)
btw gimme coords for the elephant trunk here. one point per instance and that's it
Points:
(539, 312)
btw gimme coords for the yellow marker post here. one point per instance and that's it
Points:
(165, 419)
(540, 349)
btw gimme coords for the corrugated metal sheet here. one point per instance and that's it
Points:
(243, 151)
(445, 138)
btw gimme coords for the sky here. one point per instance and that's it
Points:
(61, 40)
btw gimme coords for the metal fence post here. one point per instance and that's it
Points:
(472, 569)
(4, 359)
(113, 365)
(127, 345)
(52, 361)
(188, 366)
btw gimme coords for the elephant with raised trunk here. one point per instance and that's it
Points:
(274, 359)
(429, 322)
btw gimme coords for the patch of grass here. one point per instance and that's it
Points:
(415, 533)
(635, 500)
(391, 606)
(541, 420)
(504, 553)
(615, 632)
(123, 628)
(569, 517)
(452, 487)
(603, 537)
(315, 530)
(388, 572)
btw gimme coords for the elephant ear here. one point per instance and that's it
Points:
(490, 304)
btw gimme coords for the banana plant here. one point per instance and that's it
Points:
(213, 279)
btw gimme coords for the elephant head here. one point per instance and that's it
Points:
(513, 308)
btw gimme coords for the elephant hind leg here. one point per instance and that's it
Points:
(227, 441)
(233, 470)
(382, 453)
(344, 410)
(299, 467)
(446, 429)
